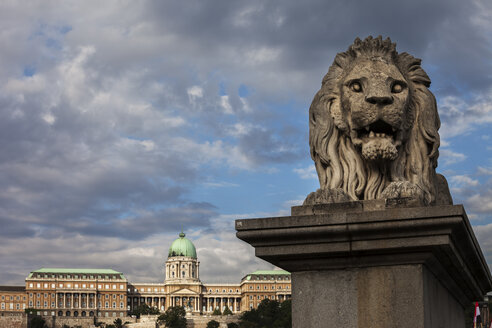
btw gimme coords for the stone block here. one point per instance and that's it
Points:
(380, 263)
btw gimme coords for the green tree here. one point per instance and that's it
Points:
(174, 317)
(232, 325)
(227, 311)
(144, 309)
(270, 314)
(118, 323)
(38, 322)
(217, 312)
(213, 324)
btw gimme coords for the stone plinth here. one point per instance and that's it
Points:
(381, 263)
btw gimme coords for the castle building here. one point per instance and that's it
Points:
(107, 293)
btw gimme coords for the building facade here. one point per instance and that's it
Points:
(107, 293)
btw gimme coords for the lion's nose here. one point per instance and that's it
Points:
(380, 100)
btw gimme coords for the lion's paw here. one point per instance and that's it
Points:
(324, 196)
(403, 189)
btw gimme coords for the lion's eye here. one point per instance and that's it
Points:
(356, 87)
(397, 88)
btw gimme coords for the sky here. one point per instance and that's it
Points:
(123, 122)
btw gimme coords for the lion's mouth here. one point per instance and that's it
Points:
(378, 129)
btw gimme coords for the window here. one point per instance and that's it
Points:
(107, 286)
(76, 285)
(107, 304)
(52, 285)
(38, 285)
(183, 274)
(30, 284)
(114, 305)
(45, 285)
(17, 306)
(3, 306)
(121, 305)
(114, 286)
(84, 286)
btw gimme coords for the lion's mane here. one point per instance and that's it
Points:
(339, 164)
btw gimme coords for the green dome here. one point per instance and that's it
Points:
(182, 247)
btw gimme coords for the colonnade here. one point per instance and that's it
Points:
(196, 303)
(211, 303)
(76, 304)
(158, 302)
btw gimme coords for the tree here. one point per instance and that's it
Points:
(270, 314)
(174, 317)
(144, 309)
(213, 324)
(232, 325)
(217, 312)
(227, 311)
(38, 322)
(118, 323)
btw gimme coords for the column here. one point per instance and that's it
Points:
(71, 300)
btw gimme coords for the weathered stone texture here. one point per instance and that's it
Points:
(380, 263)
(13, 320)
(373, 128)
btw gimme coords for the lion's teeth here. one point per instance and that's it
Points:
(371, 134)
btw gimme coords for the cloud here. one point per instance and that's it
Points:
(450, 157)
(307, 173)
(113, 115)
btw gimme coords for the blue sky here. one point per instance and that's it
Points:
(123, 121)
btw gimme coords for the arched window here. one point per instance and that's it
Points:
(67, 313)
(60, 313)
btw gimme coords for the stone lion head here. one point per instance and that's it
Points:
(373, 127)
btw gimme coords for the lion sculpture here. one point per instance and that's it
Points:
(373, 128)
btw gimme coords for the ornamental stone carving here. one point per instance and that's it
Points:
(373, 128)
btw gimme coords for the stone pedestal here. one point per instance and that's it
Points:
(374, 264)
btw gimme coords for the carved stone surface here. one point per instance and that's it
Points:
(373, 128)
